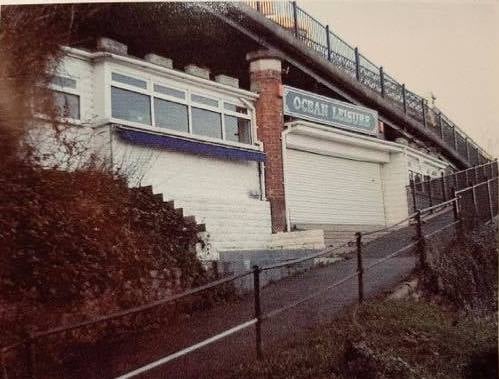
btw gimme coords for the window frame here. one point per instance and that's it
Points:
(53, 87)
(153, 79)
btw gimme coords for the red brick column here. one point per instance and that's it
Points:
(265, 78)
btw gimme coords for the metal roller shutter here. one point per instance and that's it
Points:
(330, 190)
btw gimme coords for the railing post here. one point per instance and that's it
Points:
(489, 197)
(440, 125)
(295, 18)
(404, 98)
(475, 205)
(258, 311)
(4, 365)
(430, 198)
(413, 190)
(454, 136)
(444, 188)
(421, 241)
(423, 106)
(31, 364)
(382, 80)
(258, 6)
(328, 41)
(466, 143)
(357, 63)
(360, 269)
(455, 205)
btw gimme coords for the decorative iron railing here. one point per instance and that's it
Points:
(329, 45)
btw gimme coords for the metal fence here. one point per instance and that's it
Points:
(329, 45)
(29, 358)
(421, 194)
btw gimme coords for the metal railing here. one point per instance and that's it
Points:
(330, 46)
(470, 206)
(437, 190)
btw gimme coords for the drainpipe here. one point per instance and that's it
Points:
(284, 135)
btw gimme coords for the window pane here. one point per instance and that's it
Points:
(237, 129)
(204, 100)
(68, 105)
(129, 80)
(63, 82)
(170, 115)
(235, 108)
(206, 123)
(131, 106)
(169, 91)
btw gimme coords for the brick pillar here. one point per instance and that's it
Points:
(265, 78)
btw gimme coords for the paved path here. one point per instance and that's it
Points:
(215, 360)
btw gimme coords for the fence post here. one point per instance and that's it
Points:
(360, 269)
(413, 190)
(258, 6)
(421, 241)
(258, 311)
(467, 150)
(382, 80)
(441, 126)
(444, 188)
(475, 205)
(4, 364)
(31, 364)
(357, 63)
(328, 41)
(423, 107)
(295, 18)
(404, 99)
(476, 175)
(455, 204)
(430, 199)
(489, 196)
(454, 136)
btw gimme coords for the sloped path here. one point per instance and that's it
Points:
(215, 361)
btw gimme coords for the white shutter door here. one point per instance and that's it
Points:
(330, 190)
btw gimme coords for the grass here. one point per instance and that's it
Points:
(422, 338)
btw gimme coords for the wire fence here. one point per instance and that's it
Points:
(184, 336)
(321, 39)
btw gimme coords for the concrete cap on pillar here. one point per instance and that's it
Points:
(264, 60)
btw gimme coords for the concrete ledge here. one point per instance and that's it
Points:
(307, 239)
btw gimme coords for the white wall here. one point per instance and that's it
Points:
(395, 177)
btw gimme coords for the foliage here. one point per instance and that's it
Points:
(464, 271)
(384, 339)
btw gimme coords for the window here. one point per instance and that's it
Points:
(169, 91)
(67, 105)
(156, 103)
(206, 123)
(124, 79)
(130, 106)
(237, 129)
(170, 115)
(204, 100)
(235, 108)
(60, 81)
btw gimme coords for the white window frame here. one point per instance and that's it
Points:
(70, 91)
(189, 88)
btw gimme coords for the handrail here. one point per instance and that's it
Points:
(301, 19)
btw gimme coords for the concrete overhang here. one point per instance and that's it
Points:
(272, 36)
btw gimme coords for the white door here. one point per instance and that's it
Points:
(329, 190)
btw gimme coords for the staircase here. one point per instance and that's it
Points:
(229, 223)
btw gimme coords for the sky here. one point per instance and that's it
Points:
(447, 47)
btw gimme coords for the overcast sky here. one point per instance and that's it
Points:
(450, 48)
